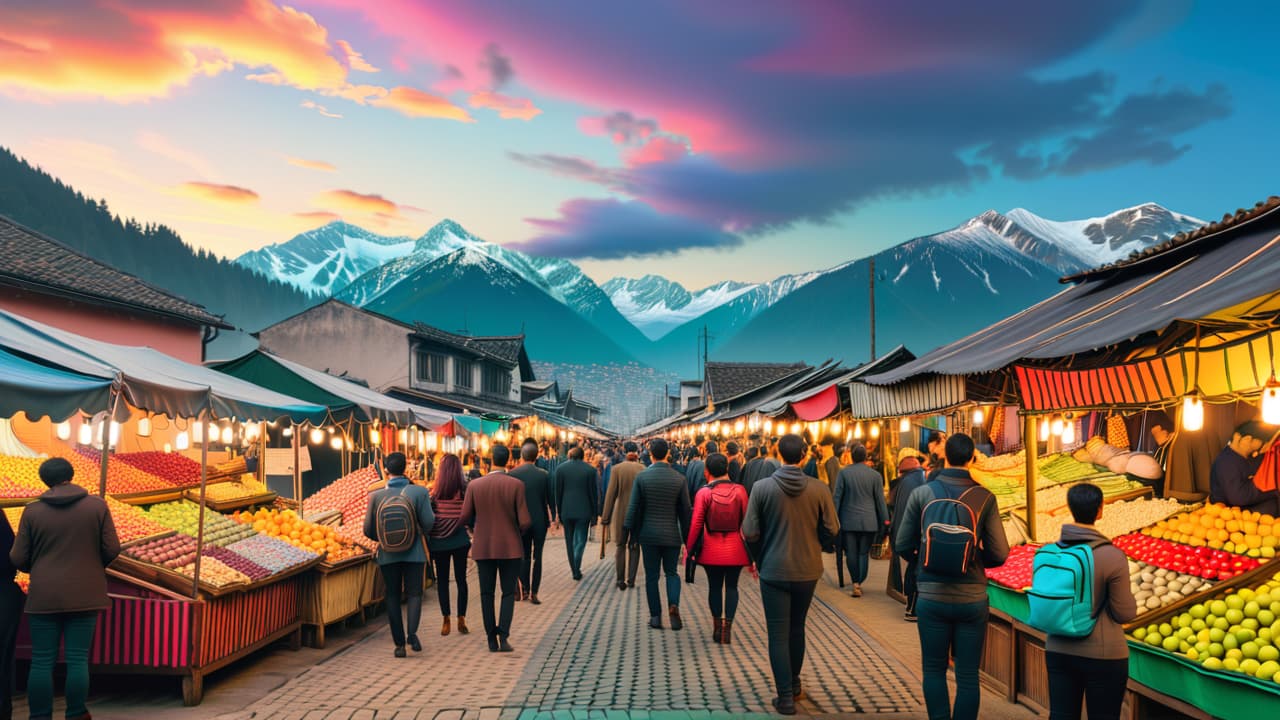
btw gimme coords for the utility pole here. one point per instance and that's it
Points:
(704, 338)
(872, 285)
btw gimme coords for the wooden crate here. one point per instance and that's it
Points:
(333, 595)
(1032, 673)
(997, 668)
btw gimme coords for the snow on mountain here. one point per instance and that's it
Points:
(657, 305)
(325, 260)
(1101, 240)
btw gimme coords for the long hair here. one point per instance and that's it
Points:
(449, 480)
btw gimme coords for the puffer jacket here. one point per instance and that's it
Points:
(658, 513)
(719, 549)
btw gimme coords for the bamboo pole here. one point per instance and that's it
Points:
(204, 486)
(1031, 451)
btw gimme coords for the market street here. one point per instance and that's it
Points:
(585, 649)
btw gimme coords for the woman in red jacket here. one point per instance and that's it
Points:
(716, 532)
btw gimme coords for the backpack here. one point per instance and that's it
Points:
(1061, 593)
(950, 536)
(723, 515)
(397, 523)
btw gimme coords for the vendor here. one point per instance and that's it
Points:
(1231, 478)
(1162, 432)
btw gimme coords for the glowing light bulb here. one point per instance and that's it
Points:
(836, 426)
(183, 441)
(875, 430)
(375, 437)
(1044, 430)
(1069, 433)
(904, 425)
(404, 437)
(978, 417)
(144, 427)
(317, 436)
(85, 436)
(768, 427)
(335, 442)
(168, 448)
(64, 431)
(1271, 402)
(1055, 425)
(795, 428)
(197, 432)
(227, 435)
(857, 431)
(287, 432)
(739, 426)
(1192, 412)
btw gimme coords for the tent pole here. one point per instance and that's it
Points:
(1031, 451)
(106, 441)
(204, 485)
(297, 472)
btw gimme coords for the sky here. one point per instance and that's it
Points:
(708, 141)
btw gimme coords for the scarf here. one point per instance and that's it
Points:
(448, 518)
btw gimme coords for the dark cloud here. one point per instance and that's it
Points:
(497, 65)
(623, 127)
(614, 229)
(573, 167)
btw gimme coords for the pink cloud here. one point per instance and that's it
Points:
(355, 60)
(657, 150)
(418, 104)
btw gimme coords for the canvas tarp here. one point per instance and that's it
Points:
(40, 391)
(916, 396)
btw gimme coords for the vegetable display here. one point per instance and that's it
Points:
(1203, 562)
(1155, 587)
(1015, 573)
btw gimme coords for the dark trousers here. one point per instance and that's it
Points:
(74, 631)
(627, 561)
(664, 558)
(404, 583)
(531, 567)
(492, 573)
(722, 595)
(786, 607)
(575, 542)
(947, 630)
(441, 560)
(857, 554)
(11, 602)
(1076, 681)
(910, 584)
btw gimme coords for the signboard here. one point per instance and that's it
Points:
(279, 461)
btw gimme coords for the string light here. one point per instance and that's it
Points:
(227, 435)
(287, 432)
(183, 441)
(317, 436)
(1055, 425)
(64, 431)
(1069, 433)
(1271, 402)
(335, 442)
(978, 417)
(857, 431)
(795, 428)
(1192, 412)
(836, 425)
(375, 437)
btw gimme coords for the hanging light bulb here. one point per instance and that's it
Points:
(1044, 430)
(978, 417)
(317, 436)
(836, 426)
(403, 437)
(252, 431)
(768, 427)
(213, 433)
(227, 435)
(144, 427)
(168, 448)
(1192, 412)
(375, 437)
(113, 433)
(739, 426)
(815, 430)
(857, 431)
(904, 425)
(795, 428)
(197, 432)
(183, 441)
(875, 430)
(335, 442)
(85, 436)
(1271, 402)
(1069, 433)
(287, 432)
(1055, 425)
(64, 431)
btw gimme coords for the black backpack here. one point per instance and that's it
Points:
(949, 536)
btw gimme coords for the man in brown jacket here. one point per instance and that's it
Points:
(621, 478)
(496, 510)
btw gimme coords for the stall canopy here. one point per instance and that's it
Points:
(344, 398)
(463, 424)
(1163, 301)
(39, 390)
(149, 379)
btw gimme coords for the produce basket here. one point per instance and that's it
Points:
(333, 594)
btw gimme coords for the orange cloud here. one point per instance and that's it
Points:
(508, 108)
(214, 192)
(357, 202)
(355, 60)
(320, 165)
(312, 105)
(416, 103)
(317, 218)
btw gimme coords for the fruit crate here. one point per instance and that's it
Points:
(147, 539)
(171, 579)
(150, 497)
(17, 502)
(333, 594)
(223, 506)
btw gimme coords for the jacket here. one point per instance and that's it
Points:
(992, 542)
(421, 500)
(496, 508)
(908, 481)
(789, 516)
(859, 499)
(446, 511)
(577, 493)
(695, 475)
(7, 571)
(719, 549)
(65, 541)
(537, 493)
(735, 469)
(752, 472)
(618, 496)
(1110, 588)
(659, 512)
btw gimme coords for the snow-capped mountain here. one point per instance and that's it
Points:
(323, 261)
(1101, 240)
(657, 305)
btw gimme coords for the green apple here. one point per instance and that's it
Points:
(1166, 629)
(1230, 642)
(1235, 602)
(1216, 635)
(1230, 664)
(1216, 650)
(1266, 617)
(1221, 623)
(1139, 633)
(1171, 644)
(1244, 635)
(1249, 666)
(1234, 616)
(1154, 639)
(1268, 653)
(1218, 608)
(1199, 611)
(1267, 670)
(1213, 663)
(1251, 609)
(1199, 625)
(1250, 650)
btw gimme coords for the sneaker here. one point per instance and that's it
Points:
(910, 616)
(857, 590)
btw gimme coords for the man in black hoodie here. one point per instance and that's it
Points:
(11, 602)
(787, 515)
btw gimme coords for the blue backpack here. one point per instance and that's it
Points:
(1061, 593)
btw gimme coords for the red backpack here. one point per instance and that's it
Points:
(723, 513)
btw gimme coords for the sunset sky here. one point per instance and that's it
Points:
(708, 140)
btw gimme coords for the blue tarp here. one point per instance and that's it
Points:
(39, 390)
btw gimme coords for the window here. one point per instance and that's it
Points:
(430, 367)
(463, 373)
(496, 381)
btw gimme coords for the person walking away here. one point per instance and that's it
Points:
(952, 603)
(716, 530)
(910, 477)
(937, 452)
(696, 469)
(811, 467)
(537, 495)
(657, 519)
(495, 507)
(65, 541)
(449, 541)
(398, 517)
(834, 464)
(790, 516)
(577, 498)
(1092, 669)
(627, 555)
(826, 452)
(11, 602)
(864, 517)
(750, 469)
(735, 461)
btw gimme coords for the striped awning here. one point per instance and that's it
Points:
(917, 396)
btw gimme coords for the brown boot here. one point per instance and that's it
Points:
(727, 634)
(444, 630)
(717, 630)
(462, 625)
(674, 612)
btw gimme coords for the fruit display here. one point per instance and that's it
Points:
(183, 516)
(14, 514)
(1118, 518)
(1064, 468)
(1237, 631)
(272, 553)
(1155, 587)
(215, 573)
(287, 526)
(355, 534)
(131, 523)
(348, 495)
(174, 468)
(1015, 573)
(238, 562)
(121, 479)
(172, 552)
(1221, 527)
(20, 477)
(247, 486)
(1203, 562)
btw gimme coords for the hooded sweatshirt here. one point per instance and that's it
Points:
(1110, 590)
(786, 515)
(66, 540)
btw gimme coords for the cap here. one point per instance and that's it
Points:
(908, 452)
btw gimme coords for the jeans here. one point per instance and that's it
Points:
(404, 582)
(668, 558)
(75, 631)
(910, 584)
(946, 629)
(786, 606)
(1075, 681)
(722, 595)
(531, 567)
(857, 552)
(575, 542)
(11, 602)
(493, 572)
(627, 561)
(441, 560)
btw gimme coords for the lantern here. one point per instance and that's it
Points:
(197, 432)
(978, 417)
(64, 431)
(375, 437)
(1055, 425)
(875, 430)
(335, 442)
(857, 431)
(795, 428)
(904, 425)
(1192, 412)
(85, 437)
(317, 436)
(252, 431)
(144, 427)
(287, 432)
(1069, 433)
(403, 437)
(227, 435)
(168, 448)
(183, 441)
(768, 427)
(835, 427)
(739, 426)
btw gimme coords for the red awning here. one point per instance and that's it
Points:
(817, 406)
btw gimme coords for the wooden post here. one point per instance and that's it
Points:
(1031, 451)
(204, 485)
(297, 470)
(106, 440)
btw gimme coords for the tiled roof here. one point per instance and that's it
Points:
(1175, 245)
(502, 349)
(730, 379)
(37, 261)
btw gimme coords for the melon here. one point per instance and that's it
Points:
(1118, 462)
(1144, 466)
